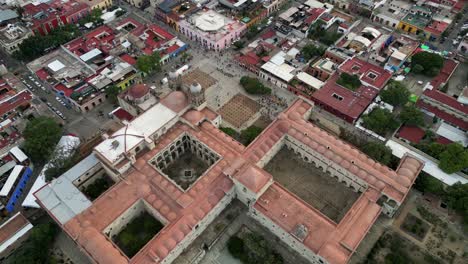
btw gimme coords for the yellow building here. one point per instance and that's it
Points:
(101, 4)
(416, 21)
(129, 79)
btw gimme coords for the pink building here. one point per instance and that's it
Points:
(211, 29)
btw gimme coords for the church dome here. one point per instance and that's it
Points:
(137, 91)
(195, 88)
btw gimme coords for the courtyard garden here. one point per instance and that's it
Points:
(95, 189)
(251, 248)
(137, 233)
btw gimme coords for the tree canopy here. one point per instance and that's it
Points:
(378, 151)
(93, 17)
(254, 86)
(249, 134)
(36, 248)
(310, 50)
(59, 164)
(112, 92)
(454, 158)
(351, 82)
(318, 32)
(37, 45)
(411, 115)
(396, 94)
(41, 135)
(381, 121)
(149, 63)
(429, 63)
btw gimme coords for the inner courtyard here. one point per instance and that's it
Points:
(311, 184)
(185, 161)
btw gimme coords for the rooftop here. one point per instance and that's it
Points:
(185, 209)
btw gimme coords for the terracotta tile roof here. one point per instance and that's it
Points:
(443, 115)
(411, 133)
(336, 242)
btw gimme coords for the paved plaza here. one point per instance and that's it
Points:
(311, 184)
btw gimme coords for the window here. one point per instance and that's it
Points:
(355, 68)
(339, 98)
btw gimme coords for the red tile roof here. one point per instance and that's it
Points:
(123, 115)
(66, 91)
(443, 115)
(42, 74)
(127, 58)
(445, 73)
(15, 101)
(443, 140)
(411, 133)
(14, 224)
(446, 99)
(364, 70)
(269, 34)
(352, 104)
(436, 27)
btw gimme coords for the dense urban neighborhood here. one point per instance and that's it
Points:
(233, 131)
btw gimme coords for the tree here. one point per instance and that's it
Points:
(236, 247)
(254, 86)
(59, 164)
(120, 13)
(431, 63)
(378, 151)
(37, 45)
(112, 92)
(433, 149)
(380, 121)
(426, 183)
(149, 63)
(457, 199)
(248, 135)
(36, 248)
(454, 158)
(310, 50)
(93, 17)
(396, 94)
(418, 68)
(351, 82)
(411, 115)
(41, 135)
(238, 45)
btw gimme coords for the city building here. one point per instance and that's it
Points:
(137, 99)
(149, 38)
(345, 103)
(211, 29)
(391, 12)
(8, 16)
(12, 35)
(46, 17)
(416, 20)
(172, 12)
(138, 159)
(12, 234)
(94, 4)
